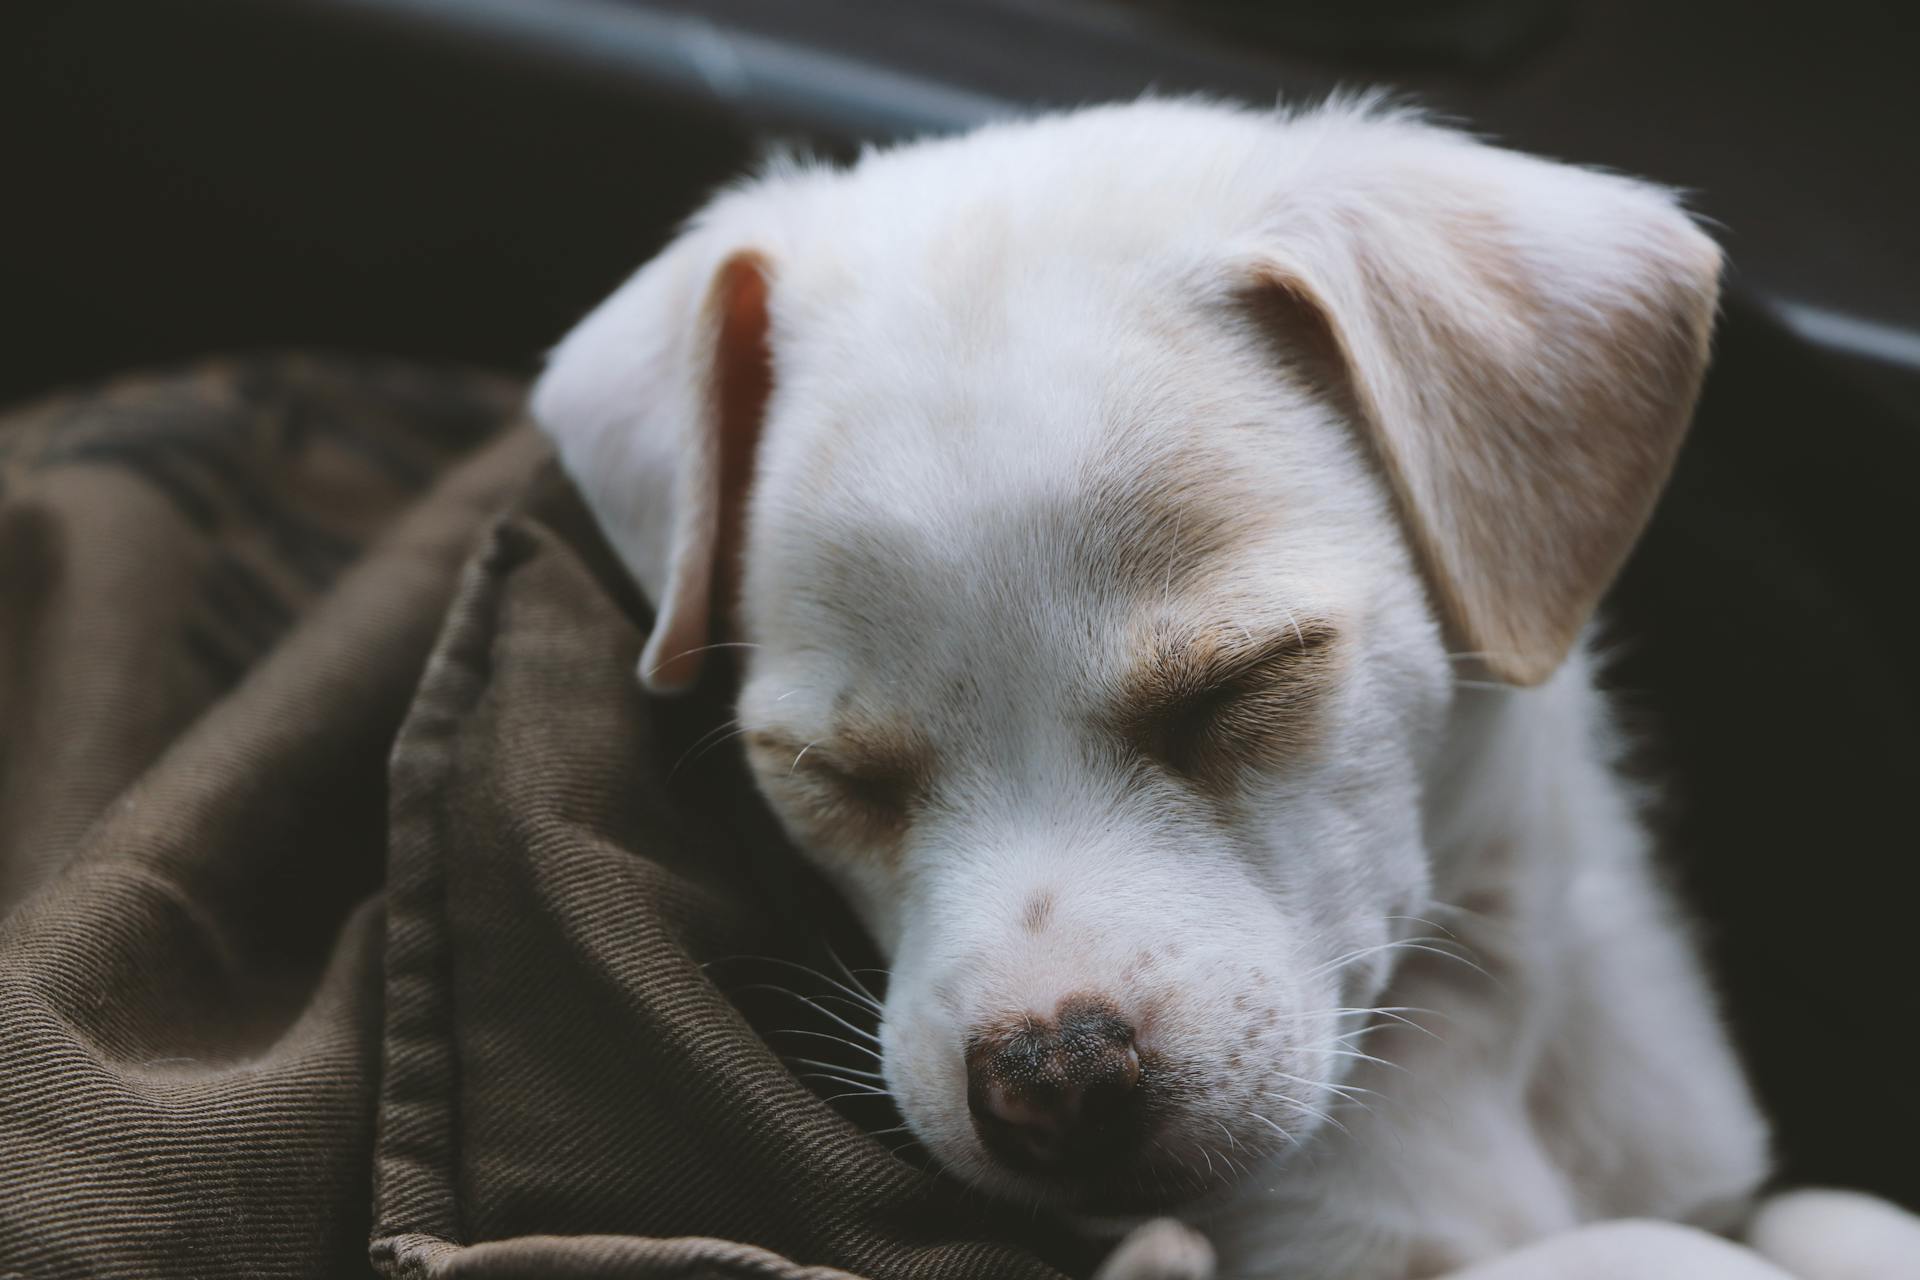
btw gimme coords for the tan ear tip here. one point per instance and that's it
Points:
(673, 675)
(1696, 251)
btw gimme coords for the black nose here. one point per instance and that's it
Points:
(1059, 1093)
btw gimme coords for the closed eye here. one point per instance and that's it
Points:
(874, 793)
(1182, 735)
(873, 797)
(1209, 704)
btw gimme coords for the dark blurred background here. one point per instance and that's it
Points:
(461, 179)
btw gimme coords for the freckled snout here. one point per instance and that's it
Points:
(1058, 1094)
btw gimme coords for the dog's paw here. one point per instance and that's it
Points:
(1837, 1235)
(1161, 1250)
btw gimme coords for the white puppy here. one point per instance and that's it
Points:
(1160, 539)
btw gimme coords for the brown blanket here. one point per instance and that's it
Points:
(353, 901)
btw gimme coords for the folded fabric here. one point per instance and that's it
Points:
(355, 905)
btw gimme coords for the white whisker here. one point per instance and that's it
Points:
(858, 995)
(1361, 1057)
(688, 653)
(710, 739)
(1424, 945)
(1299, 636)
(852, 1084)
(834, 1066)
(827, 1035)
(1313, 1111)
(853, 976)
(1344, 1091)
(812, 1004)
(1422, 920)
(1276, 1128)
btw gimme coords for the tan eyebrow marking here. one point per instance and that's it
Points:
(1153, 538)
(1211, 701)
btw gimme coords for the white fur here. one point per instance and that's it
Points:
(1002, 363)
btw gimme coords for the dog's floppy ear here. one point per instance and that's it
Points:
(1523, 342)
(655, 404)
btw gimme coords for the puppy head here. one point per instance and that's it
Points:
(1101, 501)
